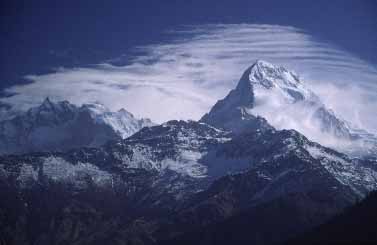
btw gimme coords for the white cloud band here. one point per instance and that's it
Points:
(184, 78)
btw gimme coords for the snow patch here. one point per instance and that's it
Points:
(347, 171)
(187, 164)
(59, 170)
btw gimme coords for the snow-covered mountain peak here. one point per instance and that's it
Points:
(122, 121)
(98, 111)
(48, 105)
(270, 75)
(49, 113)
(125, 112)
(260, 83)
(267, 91)
(96, 108)
(270, 80)
(61, 125)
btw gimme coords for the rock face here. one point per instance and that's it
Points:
(62, 126)
(231, 113)
(179, 181)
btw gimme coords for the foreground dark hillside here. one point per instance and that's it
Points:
(276, 220)
(356, 225)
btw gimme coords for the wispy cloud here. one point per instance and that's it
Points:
(182, 79)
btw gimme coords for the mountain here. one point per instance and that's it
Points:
(168, 180)
(279, 96)
(62, 126)
(182, 182)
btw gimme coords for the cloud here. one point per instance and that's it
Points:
(183, 78)
(302, 116)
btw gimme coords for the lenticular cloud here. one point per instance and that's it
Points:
(182, 79)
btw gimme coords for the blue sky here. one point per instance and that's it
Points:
(134, 54)
(37, 35)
